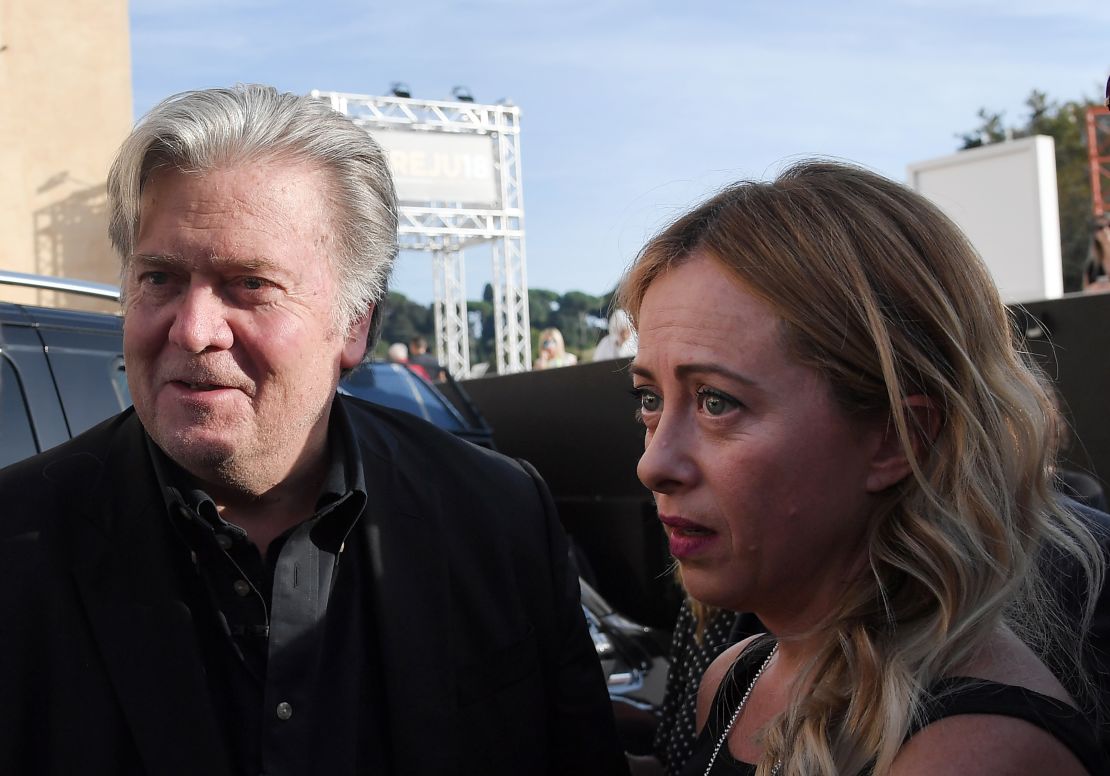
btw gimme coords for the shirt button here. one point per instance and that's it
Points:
(284, 711)
(224, 541)
(242, 586)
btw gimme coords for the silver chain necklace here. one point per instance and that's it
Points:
(736, 715)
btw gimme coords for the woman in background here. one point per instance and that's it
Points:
(842, 438)
(553, 352)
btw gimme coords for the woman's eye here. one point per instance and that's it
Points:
(714, 403)
(649, 402)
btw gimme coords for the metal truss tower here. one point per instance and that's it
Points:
(445, 228)
(1098, 154)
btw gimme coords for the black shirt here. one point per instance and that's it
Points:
(947, 697)
(286, 673)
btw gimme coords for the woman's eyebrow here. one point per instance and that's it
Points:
(686, 370)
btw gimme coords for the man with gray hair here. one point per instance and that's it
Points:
(246, 573)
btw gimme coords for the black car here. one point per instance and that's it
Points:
(62, 372)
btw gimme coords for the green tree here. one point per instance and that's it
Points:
(541, 306)
(482, 347)
(403, 319)
(1066, 124)
(572, 319)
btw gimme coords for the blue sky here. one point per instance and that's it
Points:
(634, 110)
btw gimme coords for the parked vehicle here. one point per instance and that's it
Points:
(394, 385)
(62, 371)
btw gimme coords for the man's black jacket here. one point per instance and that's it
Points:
(488, 666)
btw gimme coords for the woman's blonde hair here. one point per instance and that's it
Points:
(880, 292)
(554, 335)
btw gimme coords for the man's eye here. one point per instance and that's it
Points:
(254, 284)
(715, 403)
(154, 278)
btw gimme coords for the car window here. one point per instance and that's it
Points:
(119, 384)
(88, 370)
(392, 385)
(17, 440)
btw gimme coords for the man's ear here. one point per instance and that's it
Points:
(354, 347)
(891, 464)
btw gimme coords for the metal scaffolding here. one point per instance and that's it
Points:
(446, 228)
(1098, 152)
(450, 311)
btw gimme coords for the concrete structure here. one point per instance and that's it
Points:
(65, 91)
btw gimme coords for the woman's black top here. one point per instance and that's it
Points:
(949, 698)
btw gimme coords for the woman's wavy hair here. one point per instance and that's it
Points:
(202, 130)
(879, 292)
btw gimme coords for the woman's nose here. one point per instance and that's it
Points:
(669, 462)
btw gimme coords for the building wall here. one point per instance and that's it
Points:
(65, 106)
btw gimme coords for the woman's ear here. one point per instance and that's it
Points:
(891, 463)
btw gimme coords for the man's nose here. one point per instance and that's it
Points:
(669, 462)
(200, 321)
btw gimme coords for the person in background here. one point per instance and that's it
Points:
(701, 633)
(397, 353)
(1073, 483)
(247, 572)
(620, 342)
(843, 438)
(553, 352)
(419, 356)
(1095, 272)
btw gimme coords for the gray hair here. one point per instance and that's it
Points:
(620, 323)
(202, 130)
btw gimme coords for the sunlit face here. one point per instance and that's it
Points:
(229, 332)
(760, 479)
(549, 344)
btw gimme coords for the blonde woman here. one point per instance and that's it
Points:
(842, 438)
(553, 352)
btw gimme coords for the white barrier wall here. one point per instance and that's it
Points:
(1003, 196)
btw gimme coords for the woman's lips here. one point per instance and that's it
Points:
(687, 538)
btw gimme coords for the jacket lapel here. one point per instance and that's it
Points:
(123, 564)
(411, 602)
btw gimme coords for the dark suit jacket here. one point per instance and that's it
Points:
(1074, 596)
(488, 666)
